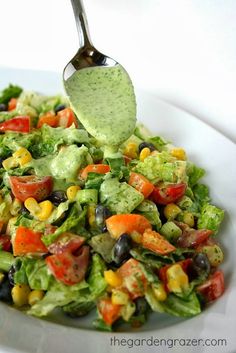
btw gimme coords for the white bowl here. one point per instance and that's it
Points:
(210, 150)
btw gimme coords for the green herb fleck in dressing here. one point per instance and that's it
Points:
(104, 101)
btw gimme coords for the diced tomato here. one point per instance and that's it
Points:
(156, 242)
(185, 264)
(213, 288)
(127, 223)
(66, 242)
(140, 183)
(109, 312)
(134, 279)
(18, 124)
(66, 118)
(49, 119)
(12, 104)
(5, 242)
(94, 168)
(27, 242)
(192, 238)
(31, 186)
(67, 267)
(168, 194)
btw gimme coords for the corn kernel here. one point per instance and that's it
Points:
(112, 278)
(136, 237)
(72, 191)
(131, 150)
(40, 210)
(119, 297)
(159, 292)
(177, 280)
(35, 296)
(179, 153)
(20, 293)
(144, 153)
(32, 206)
(46, 208)
(171, 211)
(15, 207)
(9, 163)
(22, 155)
(188, 218)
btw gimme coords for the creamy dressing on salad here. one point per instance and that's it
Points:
(104, 101)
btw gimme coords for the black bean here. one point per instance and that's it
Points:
(58, 197)
(146, 144)
(5, 291)
(104, 229)
(141, 306)
(121, 249)
(59, 107)
(101, 214)
(201, 264)
(3, 107)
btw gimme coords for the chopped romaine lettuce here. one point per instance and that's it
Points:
(58, 211)
(149, 210)
(75, 217)
(194, 173)
(210, 218)
(162, 167)
(58, 294)
(201, 194)
(94, 181)
(184, 307)
(12, 91)
(69, 160)
(119, 197)
(34, 272)
(103, 244)
(150, 258)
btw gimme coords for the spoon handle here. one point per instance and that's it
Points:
(81, 23)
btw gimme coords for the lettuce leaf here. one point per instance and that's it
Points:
(119, 197)
(149, 210)
(194, 173)
(58, 294)
(162, 167)
(75, 217)
(201, 194)
(34, 272)
(210, 218)
(12, 91)
(173, 305)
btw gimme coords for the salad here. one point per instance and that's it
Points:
(126, 234)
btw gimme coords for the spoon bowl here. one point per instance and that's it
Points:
(87, 56)
(99, 89)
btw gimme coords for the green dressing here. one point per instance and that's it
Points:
(104, 101)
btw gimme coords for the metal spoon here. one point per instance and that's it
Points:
(88, 57)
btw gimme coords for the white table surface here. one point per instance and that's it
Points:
(183, 50)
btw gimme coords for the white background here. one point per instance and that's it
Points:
(183, 50)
